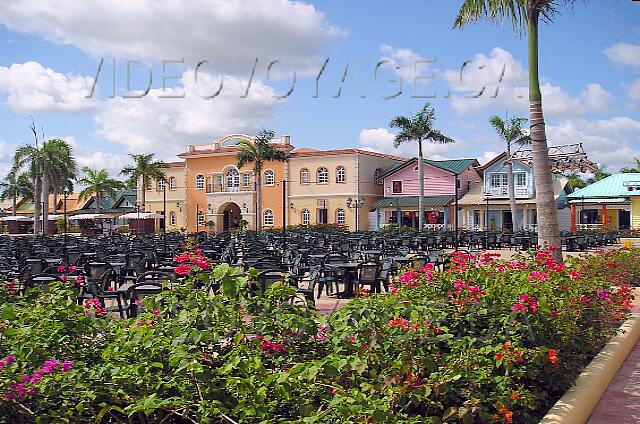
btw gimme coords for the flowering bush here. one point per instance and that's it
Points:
(489, 341)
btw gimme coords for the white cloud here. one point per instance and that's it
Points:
(230, 33)
(30, 87)
(634, 90)
(613, 142)
(406, 63)
(487, 156)
(166, 125)
(624, 53)
(499, 81)
(381, 140)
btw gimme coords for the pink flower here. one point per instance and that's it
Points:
(72, 268)
(63, 278)
(10, 359)
(155, 312)
(66, 365)
(574, 274)
(61, 268)
(519, 307)
(183, 269)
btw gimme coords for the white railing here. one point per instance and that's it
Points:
(503, 191)
(589, 227)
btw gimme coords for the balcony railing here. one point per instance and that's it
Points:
(213, 188)
(503, 191)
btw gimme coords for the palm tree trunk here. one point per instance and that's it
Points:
(45, 202)
(421, 188)
(55, 198)
(37, 189)
(258, 173)
(548, 228)
(14, 181)
(144, 193)
(511, 188)
(97, 202)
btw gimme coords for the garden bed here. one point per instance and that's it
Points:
(486, 341)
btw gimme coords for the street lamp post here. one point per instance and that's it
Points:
(65, 193)
(455, 216)
(164, 216)
(355, 204)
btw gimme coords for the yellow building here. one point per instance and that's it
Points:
(176, 196)
(207, 190)
(335, 186)
(220, 193)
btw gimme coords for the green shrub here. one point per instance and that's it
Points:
(485, 341)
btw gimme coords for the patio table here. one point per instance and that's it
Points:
(350, 269)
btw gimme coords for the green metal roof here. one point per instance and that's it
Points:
(455, 166)
(612, 186)
(107, 204)
(407, 201)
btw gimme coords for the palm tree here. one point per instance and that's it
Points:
(14, 187)
(98, 184)
(257, 152)
(48, 161)
(145, 169)
(419, 128)
(511, 132)
(526, 14)
(599, 174)
(630, 170)
(575, 181)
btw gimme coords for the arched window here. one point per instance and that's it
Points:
(161, 185)
(172, 183)
(172, 218)
(340, 217)
(200, 182)
(322, 175)
(267, 217)
(269, 178)
(304, 176)
(233, 180)
(200, 217)
(341, 174)
(306, 217)
(376, 175)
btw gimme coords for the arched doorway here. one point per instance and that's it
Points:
(231, 215)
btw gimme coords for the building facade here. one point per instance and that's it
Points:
(400, 184)
(335, 186)
(612, 203)
(486, 206)
(174, 202)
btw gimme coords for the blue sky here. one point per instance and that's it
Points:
(589, 64)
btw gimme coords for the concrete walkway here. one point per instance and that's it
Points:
(621, 402)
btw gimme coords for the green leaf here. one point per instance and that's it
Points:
(10, 332)
(7, 312)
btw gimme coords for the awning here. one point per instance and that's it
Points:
(600, 200)
(17, 218)
(141, 215)
(52, 217)
(82, 216)
(412, 201)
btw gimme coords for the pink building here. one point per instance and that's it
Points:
(401, 189)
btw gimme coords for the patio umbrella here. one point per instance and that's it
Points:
(82, 216)
(17, 218)
(141, 215)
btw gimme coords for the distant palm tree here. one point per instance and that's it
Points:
(257, 152)
(144, 170)
(525, 14)
(575, 181)
(511, 132)
(631, 170)
(419, 128)
(14, 187)
(599, 174)
(98, 184)
(47, 161)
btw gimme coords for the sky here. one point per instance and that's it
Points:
(139, 76)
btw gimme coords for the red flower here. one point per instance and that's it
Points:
(553, 356)
(399, 322)
(183, 269)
